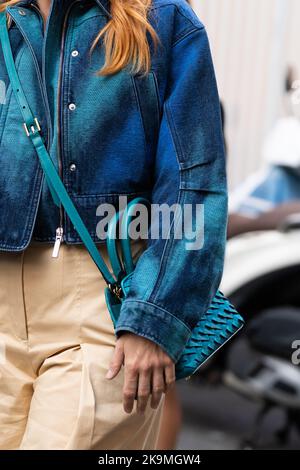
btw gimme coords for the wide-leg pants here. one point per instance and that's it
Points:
(56, 342)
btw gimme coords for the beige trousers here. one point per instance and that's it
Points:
(56, 342)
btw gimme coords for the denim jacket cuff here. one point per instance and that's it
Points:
(156, 324)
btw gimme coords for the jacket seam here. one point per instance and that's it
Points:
(187, 18)
(139, 108)
(108, 195)
(158, 102)
(170, 3)
(168, 242)
(185, 35)
(180, 12)
(69, 239)
(34, 204)
(155, 87)
(165, 255)
(175, 137)
(96, 15)
(67, 157)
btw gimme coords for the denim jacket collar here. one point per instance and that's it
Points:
(104, 4)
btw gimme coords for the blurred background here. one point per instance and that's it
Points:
(248, 395)
(254, 44)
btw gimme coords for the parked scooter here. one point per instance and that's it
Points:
(263, 366)
(262, 274)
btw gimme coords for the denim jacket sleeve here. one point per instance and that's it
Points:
(175, 280)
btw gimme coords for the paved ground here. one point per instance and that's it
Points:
(216, 418)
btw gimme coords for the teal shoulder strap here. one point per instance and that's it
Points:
(129, 212)
(56, 186)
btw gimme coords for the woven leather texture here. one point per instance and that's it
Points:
(220, 322)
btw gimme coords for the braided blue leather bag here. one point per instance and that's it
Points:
(216, 326)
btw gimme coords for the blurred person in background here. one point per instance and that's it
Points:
(267, 197)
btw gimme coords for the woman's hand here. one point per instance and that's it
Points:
(148, 371)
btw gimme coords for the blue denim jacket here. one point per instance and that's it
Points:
(157, 136)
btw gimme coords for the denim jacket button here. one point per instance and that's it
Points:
(72, 167)
(75, 53)
(22, 12)
(72, 106)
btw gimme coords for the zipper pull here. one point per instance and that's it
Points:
(58, 240)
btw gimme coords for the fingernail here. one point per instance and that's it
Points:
(110, 374)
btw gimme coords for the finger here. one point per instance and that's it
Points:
(130, 388)
(144, 389)
(116, 362)
(158, 386)
(170, 376)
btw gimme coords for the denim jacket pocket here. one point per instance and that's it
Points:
(147, 95)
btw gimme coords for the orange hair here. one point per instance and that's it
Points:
(124, 36)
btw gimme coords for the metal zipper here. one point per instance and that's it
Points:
(60, 231)
(58, 240)
(59, 236)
